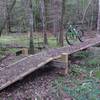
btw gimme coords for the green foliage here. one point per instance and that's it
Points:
(13, 50)
(92, 62)
(75, 71)
(2, 52)
(97, 74)
(14, 39)
(87, 90)
(83, 54)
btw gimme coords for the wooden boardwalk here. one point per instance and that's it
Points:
(25, 66)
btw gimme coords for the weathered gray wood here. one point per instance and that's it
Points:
(25, 51)
(64, 58)
(20, 76)
(57, 64)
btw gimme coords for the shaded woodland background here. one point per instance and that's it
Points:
(14, 14)
(45, 18)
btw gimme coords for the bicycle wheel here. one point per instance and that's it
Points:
(67, 40)
(70, 38)
(80, 36)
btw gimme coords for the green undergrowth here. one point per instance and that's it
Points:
(83, 81)
(23, 40)
(6, 51)
(2, 52)
(82, 54)
(80, 84)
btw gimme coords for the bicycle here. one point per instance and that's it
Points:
(73, 33)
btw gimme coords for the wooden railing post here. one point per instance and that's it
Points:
(25, 51)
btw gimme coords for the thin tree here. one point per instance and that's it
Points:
(28, 8)
(31, 23)
(43, 16)
(8, 17)
(61, 36)
(5, 21)
(98, 23)
(84, 14)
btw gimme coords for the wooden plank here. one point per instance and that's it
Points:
(56, 63)
(20, 76)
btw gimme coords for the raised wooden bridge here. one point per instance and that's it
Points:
(27, 65)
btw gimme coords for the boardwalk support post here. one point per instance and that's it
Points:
(61, 63)
(64, 59)
(25, 51)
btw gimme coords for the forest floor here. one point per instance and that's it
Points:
(82, 83)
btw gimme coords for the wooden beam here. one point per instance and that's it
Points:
(61, 62)
(56, 63)
(25, 51)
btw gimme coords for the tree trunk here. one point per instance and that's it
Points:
(98, 23)
(30, 19)
(61, 36)
(84, 14)
(44, 21)
(31, 24)
(8, 18)
(5, 21)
